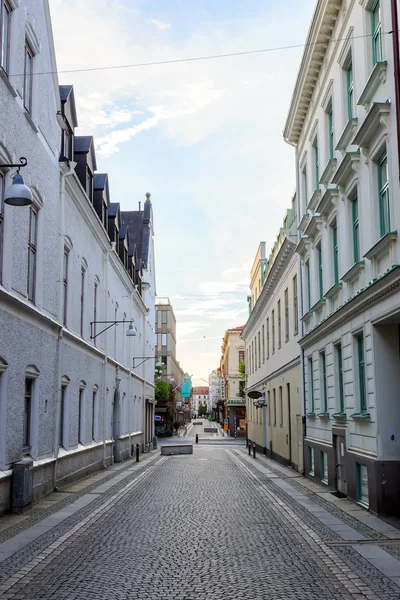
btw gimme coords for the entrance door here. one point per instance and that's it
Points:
(341, 481)
(115, 426)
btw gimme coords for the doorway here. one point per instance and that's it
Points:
(341, 481)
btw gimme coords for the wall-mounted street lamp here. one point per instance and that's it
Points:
(258, 399)
(17, 194)
(143, 359)
(93, 335)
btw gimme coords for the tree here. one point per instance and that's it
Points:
(202, 409)
(242, 375)
(162, 392)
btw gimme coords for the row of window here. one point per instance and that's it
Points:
(275, 409)
(348, 67)
(353, 226)
(360, 379)
(264, 343)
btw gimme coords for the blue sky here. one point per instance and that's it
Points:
(205, 138)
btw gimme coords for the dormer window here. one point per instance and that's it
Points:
(67, 144)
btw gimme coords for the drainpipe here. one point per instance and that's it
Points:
(301, 306)
(396, 69)
(57, 391)
(105, 390)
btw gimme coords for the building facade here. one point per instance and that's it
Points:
(231, 382)
(70, 401)
(342, 123)
(166, 353)
(214, 392)
(200, 396)
(274, 421)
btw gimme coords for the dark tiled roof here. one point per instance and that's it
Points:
(123, 231)
(83, 143)
(139, 227)
(65, 91)
(100, 181)
(113, 209)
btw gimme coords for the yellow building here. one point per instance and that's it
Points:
(234, 406)
(274, 421)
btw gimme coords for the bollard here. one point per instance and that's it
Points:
(197, 438)
(137, 452)
(249, 447)
(254, 449)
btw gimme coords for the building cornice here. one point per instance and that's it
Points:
(319, 36)
(383, 286)
(280, 264)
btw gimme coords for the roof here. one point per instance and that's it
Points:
(83, 143)
(113, 209)
(139, 225)
(200, 391)
(100, 181)
(240, 328)
(65, 91)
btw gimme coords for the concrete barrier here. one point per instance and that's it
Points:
(177, 449)
(198, 423)
(210, 430)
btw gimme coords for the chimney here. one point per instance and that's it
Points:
(140, 205)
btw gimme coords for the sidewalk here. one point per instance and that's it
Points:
(387, 526)
(59, 505)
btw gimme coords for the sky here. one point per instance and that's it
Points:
(203, 137)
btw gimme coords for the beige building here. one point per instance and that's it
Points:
(233, 352)
(257, 275)
(274, 421)
(166, 348)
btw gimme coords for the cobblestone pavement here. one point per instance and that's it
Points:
(197, 527)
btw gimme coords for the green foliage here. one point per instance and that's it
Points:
(202, 409)
(162, 392)
(158, 371)
(242, 370)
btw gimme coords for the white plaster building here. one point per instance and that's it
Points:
(200, 395)
(273, 354)
(214, 392)
(70, 400)
(342, 122)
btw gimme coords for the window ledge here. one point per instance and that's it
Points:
(323, 415)
(329, 170)
(28, 117)
(307, 316)
(381, 246)
(315, 198)
(363, 504)
(312, 415)
(334, 290)
(354, 271)
(302, 246)
(4, 77)
(303, 222)
(328, 202)
(318, 305)
(314, 227)
(378, 76)
(340, 416)
(361, 416)
(347, 169)
(375, 121)
(347, 135)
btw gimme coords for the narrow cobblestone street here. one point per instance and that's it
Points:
(213, 525)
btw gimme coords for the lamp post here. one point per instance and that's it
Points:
(93, 335)
(17, 194)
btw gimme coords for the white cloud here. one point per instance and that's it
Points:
(160, 25)
(109, 144)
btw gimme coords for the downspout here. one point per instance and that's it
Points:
(300, 271)
(105, 356)
(396, 70)
(57, 390)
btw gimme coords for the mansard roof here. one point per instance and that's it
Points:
(139, 225)
(84, 144)
(68, 105)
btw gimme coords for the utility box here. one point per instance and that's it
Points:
(22, 485)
